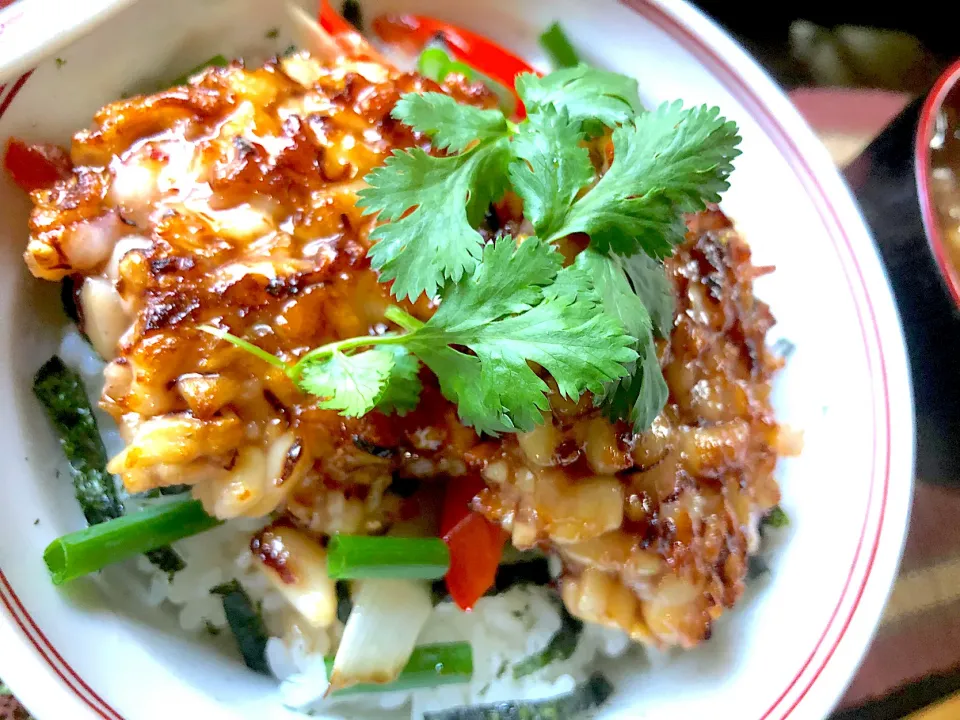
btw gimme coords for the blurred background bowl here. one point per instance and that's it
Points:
(893, 181)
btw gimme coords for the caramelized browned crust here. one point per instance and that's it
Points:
(655, 529)
(233, 202)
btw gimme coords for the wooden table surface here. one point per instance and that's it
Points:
(947, 710)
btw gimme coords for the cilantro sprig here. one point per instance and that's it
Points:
(641, 394)
(550, 166)
(667, 162)
(433, 206)
(510, 306)
(584, 93)
(519, 306)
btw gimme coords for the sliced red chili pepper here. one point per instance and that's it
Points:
(413, 32)
(476, 547)
(475, 543)
(347, 37)
(332, 21)
(459, 493)
(35, 166)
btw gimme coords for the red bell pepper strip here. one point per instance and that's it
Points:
(332, 21)
(347, 37)
(414, 32)
(475, 543)
(460, 493)
(36, 166)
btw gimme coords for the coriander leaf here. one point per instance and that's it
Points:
(402, 392)
(550, 167)
(507, 324)
(667, 162)
(429, 207)
(585, 93)
(504, 398)
(618, 298)
(569, 335)
(510, 280)
(651, 284)
(449, 124)
(246, 624)
(641, 395)
(352, 384)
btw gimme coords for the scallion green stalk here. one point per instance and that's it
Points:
(355, 557)
(558, 46)
(92, 549)
(429, 666)
(433, 63)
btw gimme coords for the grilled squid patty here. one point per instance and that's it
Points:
(232, 201)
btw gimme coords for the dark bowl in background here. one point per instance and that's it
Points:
(891, 180)
(945, 94)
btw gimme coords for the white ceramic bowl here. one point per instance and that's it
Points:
(793, 643)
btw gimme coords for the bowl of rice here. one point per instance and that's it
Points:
(433, 361)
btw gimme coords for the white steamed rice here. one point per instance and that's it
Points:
(502, 630)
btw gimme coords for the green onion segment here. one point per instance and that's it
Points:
(353, 557)
(429, 666)
(92, 549)
(558, 46)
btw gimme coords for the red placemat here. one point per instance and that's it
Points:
(10, 709)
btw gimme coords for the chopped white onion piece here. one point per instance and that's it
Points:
(297, 566)
(381, 631)
(105, 320)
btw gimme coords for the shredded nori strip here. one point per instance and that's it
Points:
(439, 592)
(246, 624)
(344, 603)
(535, 571)
(586, 697)
(757, 567)
(60, 390)
(166, 560)
(560, 647)
(68, 298)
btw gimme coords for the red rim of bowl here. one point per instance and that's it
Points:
(923, 167)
